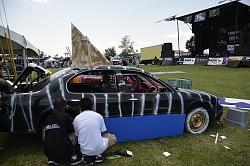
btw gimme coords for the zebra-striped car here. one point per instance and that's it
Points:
(116, 91)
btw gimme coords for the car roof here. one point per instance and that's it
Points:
(111, 67)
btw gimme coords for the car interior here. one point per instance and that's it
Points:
(93, 82)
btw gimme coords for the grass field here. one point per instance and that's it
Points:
(23, 149)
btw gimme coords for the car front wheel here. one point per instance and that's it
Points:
(197, 120)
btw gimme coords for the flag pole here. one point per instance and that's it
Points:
(178, 31)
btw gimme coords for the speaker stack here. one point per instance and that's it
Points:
(245, 41)
(167, 53)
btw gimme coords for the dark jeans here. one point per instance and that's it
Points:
(60, 154)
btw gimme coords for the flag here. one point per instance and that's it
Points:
(84, 53)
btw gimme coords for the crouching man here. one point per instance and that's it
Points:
(89, 127)
(57, 130)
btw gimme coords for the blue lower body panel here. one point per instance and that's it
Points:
(145, 127)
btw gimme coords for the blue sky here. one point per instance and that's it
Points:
(47, 23)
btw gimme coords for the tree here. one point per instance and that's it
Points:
(127, 46)
(190, 45)
(110, 52)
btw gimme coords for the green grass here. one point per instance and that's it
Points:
(23, 149)
(221, 81)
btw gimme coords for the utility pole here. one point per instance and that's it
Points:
(178, 38)
(173, 18)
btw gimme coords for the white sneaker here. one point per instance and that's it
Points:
(52, 163)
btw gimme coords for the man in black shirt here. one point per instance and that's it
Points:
(57, 129)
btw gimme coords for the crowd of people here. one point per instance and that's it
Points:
(79, 139)
(56, 64)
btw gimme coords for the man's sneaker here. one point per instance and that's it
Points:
(88, 160)
(52, 163)
(75, 160)
(98, 159)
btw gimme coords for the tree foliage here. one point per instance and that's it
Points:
(127, 46)
(110, 52)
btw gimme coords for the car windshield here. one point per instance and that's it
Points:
(59, 73)
(152, 75)
(41, 84)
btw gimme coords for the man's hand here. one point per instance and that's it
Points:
(73, 138)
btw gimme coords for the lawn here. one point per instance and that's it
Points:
(23, 149)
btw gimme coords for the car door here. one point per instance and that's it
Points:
(171, 101)
(143, 95)
(98, 85)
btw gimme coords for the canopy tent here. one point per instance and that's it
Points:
(51, 59)
(19, 43)
(20, 47)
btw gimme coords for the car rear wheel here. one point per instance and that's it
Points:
(197, 120)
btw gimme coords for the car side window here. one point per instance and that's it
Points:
(93, 82)
(158, 85)
(139, 83)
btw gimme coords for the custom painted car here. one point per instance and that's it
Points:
(115, 91)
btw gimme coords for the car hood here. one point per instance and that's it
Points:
(194, 91)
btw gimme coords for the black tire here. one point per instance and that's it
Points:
(197, 121)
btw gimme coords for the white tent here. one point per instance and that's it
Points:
(19, 43)
(51, 59)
